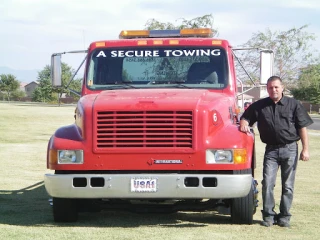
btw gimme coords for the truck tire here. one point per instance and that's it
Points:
(242, 209)
(65, 210)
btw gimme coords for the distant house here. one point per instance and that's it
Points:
(251, 95)
(22, 86)
(256, 93)
(244, 98)
(30, 87)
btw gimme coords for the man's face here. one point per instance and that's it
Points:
(275, 90)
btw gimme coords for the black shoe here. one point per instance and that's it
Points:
(266, 223)
(283, 224)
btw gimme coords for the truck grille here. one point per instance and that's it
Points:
(144, 129)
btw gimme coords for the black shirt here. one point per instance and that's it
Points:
(278, 123)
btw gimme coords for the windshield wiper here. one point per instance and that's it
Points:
(180, 85)
(119, 86)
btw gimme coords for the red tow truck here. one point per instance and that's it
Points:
(155, 129)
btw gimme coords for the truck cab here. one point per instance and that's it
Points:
(155, 129)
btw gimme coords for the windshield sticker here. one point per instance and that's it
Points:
(165, 64)
(159, 53)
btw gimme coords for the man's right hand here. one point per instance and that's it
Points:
(244, 126)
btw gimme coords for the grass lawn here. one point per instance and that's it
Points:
(25, 212)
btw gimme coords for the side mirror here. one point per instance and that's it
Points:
(266, 65)
(56, 70)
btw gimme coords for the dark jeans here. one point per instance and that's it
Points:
(285, 157)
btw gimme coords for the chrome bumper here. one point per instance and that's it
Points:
(169, 186)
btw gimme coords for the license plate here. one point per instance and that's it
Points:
(144, 184)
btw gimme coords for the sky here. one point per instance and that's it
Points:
(31, 30)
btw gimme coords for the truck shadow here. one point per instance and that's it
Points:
(30, 207)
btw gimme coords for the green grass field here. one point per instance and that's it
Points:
(25, 212)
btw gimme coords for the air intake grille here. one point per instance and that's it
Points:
(144, 129)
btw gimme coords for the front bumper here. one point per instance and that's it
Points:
(169, 186)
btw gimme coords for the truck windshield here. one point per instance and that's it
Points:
(192, 67)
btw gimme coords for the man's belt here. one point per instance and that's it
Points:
(281, 145)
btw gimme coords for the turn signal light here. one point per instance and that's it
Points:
(239, 156)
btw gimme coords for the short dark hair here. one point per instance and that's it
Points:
(273, 78)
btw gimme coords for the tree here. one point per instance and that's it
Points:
(8, 84)
(75, 84)
(292, 52)
(46, 93)
(205, 21)
(18, 94)
(180, 67)
(308, 86)
(43, 93)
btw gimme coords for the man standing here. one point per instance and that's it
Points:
(282, 121)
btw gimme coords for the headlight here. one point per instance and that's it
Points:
(223, 156)
(236, 156)
(219, 156)
(70, 156)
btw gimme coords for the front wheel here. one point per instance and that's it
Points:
(242, 209)
(65, 210)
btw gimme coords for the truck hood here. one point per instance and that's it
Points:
(153, 99)
(167, 119)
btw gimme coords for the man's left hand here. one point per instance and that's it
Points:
(304, 155)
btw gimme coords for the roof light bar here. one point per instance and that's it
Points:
(194, 32)
(134, 34)
(164, 33)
